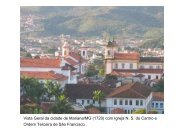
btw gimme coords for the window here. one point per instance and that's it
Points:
(137, 102)
(130, 102)
(115, 102)
(123, 65)
(131, 66)
(157, 67)
(116, 65)
(93, 101)
(88, 101)
(83, 53)
(149, 77)
(151, 67)
(141, 102)
(126, 102)
(161, 105)
(128, 111)
(82, 102)
(152, 105)
(141, 66)
(162, 112)
(108, 52)
(120, 102)
(156, 105)
(156, 76)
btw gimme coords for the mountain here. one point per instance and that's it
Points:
(132, 21)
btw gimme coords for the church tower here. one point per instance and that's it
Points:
(65, 49)
(110, 49)
(83, 51)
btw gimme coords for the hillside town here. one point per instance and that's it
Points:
(92, 80)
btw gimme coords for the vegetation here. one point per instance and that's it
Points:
(42, 92)
(140, 111)
(91, 71)
(98, 95)
(154, 43)
(110, 77)
(96, 21)
(62, 106)
(32, 88)
(27, 55)
(160, 86)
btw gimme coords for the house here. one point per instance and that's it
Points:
(47, 67)
(129, 97)
(131, 63)
(158, 102)
(83, 93)
(43, 76)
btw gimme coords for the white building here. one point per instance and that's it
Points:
(128, 98)
(30, 65)
(158, 102)
(131, 62)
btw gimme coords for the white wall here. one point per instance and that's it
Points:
(153, 76)
(40, 69)
(90, 102)
(108, 67)
(154, 65)
(110, 104)
(159, 109)
(127, 65)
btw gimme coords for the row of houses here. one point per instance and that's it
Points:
(129, 97)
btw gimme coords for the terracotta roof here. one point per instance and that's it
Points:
(46, 63)
(151, 71)
(158, 96)
(83, 91)
(134, 90)
(151, 59)
(51, 75)
(126, 56)
(70, 61)
(93, 110)
(76, 56)
(121, 74)
(118, 111)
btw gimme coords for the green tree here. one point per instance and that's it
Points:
(52, 89)
(28, 55)
(30, 108)
(62, 106)
(110, 77)
(31, 87)
(160, 86)
(139, 111)
(101, 72)
(98, 95)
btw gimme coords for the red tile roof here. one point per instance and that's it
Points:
(151, 71)
(121, 74)
(77, 57)
(71, 61)
(93, 111)
(158, 96)
(44, 63)
(127, 56)
(134, 90)
(44, 75)
(118, 111)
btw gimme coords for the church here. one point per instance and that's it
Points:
(131, 63)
